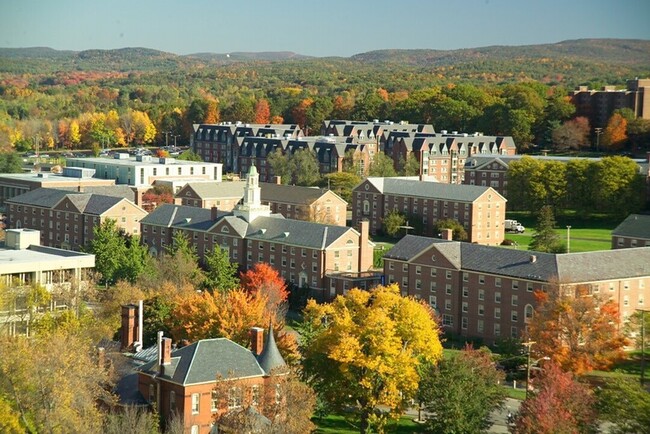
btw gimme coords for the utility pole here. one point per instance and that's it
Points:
(568, 239)
(598, 133)
(166, 133)
(175, 137)
(528, 345)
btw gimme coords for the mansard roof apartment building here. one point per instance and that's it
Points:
(481, 210)
(488, 292)
(304, 253)
(66, 219)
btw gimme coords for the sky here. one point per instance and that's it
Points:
(313, 27)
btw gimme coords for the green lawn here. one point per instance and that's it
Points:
(582, 240)
(338, 424)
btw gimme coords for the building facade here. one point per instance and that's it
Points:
(66, 219)
(634, 231)
(488, 292)
(481, 210)
(25, 263)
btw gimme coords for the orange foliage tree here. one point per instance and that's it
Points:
(265, 280)
(262, 112)
(578, 331)
(616, 132)
(299, 112)
(212, 115)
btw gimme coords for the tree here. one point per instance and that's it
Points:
(459, 232)
(363, 351)
(625, 404)
(131, 419)
(157, 195)
(618, 188)
(411, 166)
(265, 280)
(633, 327)
(74, 137)
(545, 238)
(181, 262)
(279, 162)
(342, 183)
(461, 392)
(220, 273)
(382, 165)
(393, 223)
(578, 331)
(572, 134)
(262, 112)
(135, 260)
(109, 248)
(615, 134)
(304, 167)
(53, 388)
(558, 405)
(10, 162)
(286, 403)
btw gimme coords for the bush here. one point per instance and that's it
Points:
(508, 242)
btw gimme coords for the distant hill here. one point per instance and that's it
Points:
(622, 51)
(271, 56)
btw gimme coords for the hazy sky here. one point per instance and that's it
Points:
(314, 27)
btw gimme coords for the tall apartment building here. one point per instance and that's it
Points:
(481, 210)
(304, 253)
(488, 292)
(66, 219)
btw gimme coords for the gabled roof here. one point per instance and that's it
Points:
(527, 265)
(293, 194)
(634, 226)
(207, 359)
(43, 197)
(87, 203)
(295, 232)
(170, 215)
(412, 186)
(214, 189)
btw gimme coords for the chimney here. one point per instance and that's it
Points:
(533, 259)
(129, 328)
(365, 249)
(447, 234)
(213, 213)
(278, 180)
(139, 344)
(257, 340)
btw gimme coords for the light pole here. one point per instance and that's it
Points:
(528, 345)
(175, 137)
(166, 133)
(598, 133)
(568, 239)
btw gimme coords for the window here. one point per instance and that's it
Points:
(447, 320)
(464, 323)
(515, 300)
(448, 289)
(514, 333)
(465, 292)
(497, 297)
(465, 306)
(152, 393)
(481, 279)
(234, 398)
(434, 272)
(481, 294)
(479, 326)
(465, 277)
(172, 401)
(497, 312)
(515, 284)
(433, 301)
(481, 310)
(497, 281)
(195, 403)
(528, 312)
(214, 402)
(194, 429)
(405, 267)
(418, 270)
(448, 274)
(447, 304)
(529, 286)
(255, 394)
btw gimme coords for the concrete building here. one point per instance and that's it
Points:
(66, 219)
(143, 171)
(634, 231)
(24, 263)
(488, 292)
(481, 210)
(304, 253)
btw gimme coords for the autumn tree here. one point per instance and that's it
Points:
(212, 114)
(578, 331)
(558, 404)
(545, 238)
(363, 350)
(342, 183)
(393, 223)
(459, 232)
(615, 133)
(461, 392)
(157, 195)
(265, 280)
(283, 401)
(220, 273)
(572, 134)
(262, 111)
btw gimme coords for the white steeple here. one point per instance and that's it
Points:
(252, 206)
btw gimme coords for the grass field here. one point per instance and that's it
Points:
(334, 423)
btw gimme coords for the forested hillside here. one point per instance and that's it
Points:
(134, 95)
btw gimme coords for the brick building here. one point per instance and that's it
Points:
(66, 219)
(304, 253)
(634, 231)
(481, 210)
(488, 292)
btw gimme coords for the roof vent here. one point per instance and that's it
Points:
(262, 231)
(286, 234)
(188, 220)
(533, 259)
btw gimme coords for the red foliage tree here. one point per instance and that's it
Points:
(559, 404)
(299, 112)
(262, 112)
(266, 280)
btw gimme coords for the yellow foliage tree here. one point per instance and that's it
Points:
(74, 134)
(615, 132)
(363, 350)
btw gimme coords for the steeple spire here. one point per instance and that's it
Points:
(252, 206)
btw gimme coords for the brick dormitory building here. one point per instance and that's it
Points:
(488, 292)
(325, 257)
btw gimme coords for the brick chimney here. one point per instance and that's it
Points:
(257, 340)
(213, 213)
(365, 249)
(447, 234)
(164, 352)
(129, 329)
(277, 179)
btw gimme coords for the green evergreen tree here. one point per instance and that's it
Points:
(220, 274)
(109, 247)
(545, 238)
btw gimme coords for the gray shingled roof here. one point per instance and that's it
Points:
(88, 203)
(205, 360)
(270, 358)
(634, 226)
(411, 186)
(169, 215)
(565, 268)
(209, 190)
(290, 193)
(122, 191)
(295, 232)
(43, 197)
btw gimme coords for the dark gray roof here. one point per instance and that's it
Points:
(88, 203)
(43, 197)
(412, 186)
(295, 232)
(294, 194)
(548, 267)
(122, 191)
(270, 358)
(634, 226)
(208, 190)
(207, 359)
(170, 215)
